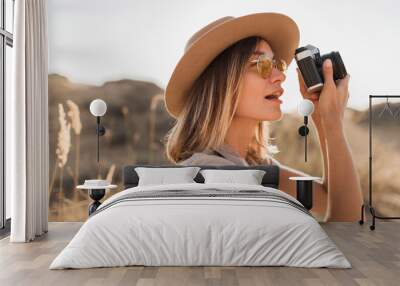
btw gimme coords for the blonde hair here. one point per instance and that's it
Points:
(211, 105)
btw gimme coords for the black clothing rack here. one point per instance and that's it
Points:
(369, 204)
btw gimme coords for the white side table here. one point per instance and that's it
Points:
(304, 190)
(96, 193)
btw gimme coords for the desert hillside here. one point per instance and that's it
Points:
(136, 123)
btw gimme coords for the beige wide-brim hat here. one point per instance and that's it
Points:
(280, 31)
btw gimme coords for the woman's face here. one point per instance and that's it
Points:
(252, 102)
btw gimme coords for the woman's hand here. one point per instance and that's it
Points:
(330, 103)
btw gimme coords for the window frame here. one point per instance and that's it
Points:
(6, 39)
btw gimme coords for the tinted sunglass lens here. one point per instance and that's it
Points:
(281, 65)
(264, 66)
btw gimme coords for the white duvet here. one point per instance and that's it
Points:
(200, 231)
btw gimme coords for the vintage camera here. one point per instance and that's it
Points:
(310, 62)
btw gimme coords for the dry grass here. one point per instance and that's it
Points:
(63, 147)
(75, 119)
(110, 173)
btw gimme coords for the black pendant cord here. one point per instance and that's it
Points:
(303, 131)
(305, 148)
(305, 137)
(98, 139)
(369, 205)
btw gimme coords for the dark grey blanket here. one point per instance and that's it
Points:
(206, 194)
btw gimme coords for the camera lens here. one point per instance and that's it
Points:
(339, 70)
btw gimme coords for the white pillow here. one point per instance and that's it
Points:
(162, 176)
(249, 177)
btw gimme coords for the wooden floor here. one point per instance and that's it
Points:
(374, 255)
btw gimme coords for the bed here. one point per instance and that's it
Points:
(201, 224)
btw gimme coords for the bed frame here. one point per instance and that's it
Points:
(270, 179)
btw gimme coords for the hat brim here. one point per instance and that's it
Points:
(279, 30)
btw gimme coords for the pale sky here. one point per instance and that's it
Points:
(94, 41)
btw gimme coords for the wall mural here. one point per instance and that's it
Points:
(124, 52)
(136, 123)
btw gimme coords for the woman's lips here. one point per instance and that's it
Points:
(274, 95)
(274, 99)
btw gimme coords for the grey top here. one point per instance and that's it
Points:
(224, 155)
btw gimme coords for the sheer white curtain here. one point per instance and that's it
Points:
(27, 147)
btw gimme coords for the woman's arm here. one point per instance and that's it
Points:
(338, 196)
(322, 142)
(340, 180)
(344, 188)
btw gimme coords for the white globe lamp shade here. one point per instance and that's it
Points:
(306, 107)
(98, 107)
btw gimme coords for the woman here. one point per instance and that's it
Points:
(220, 94)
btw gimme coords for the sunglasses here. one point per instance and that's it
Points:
(265, 65)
